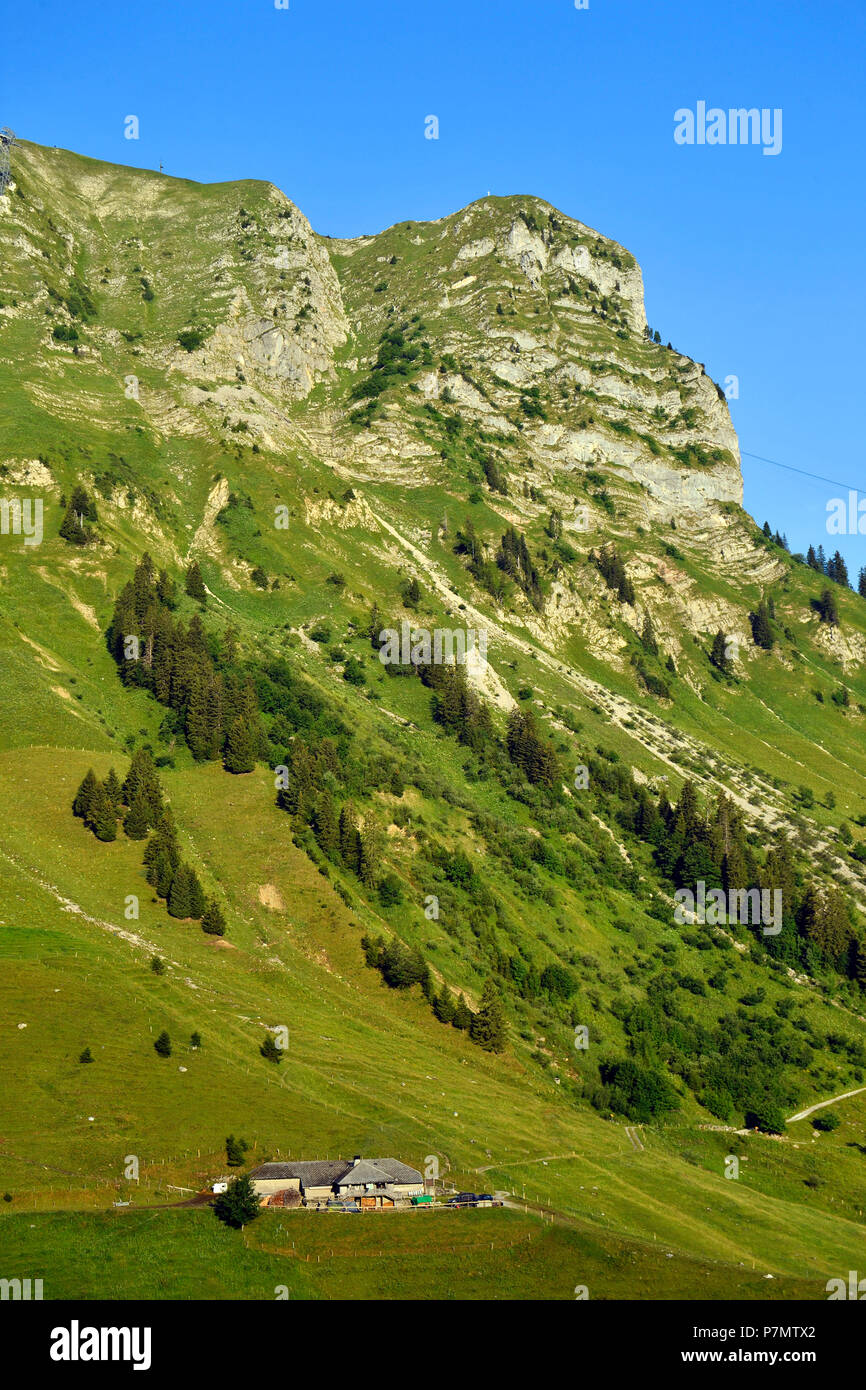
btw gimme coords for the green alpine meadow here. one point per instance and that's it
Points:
(424, 785)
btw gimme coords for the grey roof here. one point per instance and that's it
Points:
(367, 1171)
(339, 1172)
(399, 1172)
(379, 1170)
(317, 1173)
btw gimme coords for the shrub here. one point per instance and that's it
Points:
(826, 1123)
(190, 339)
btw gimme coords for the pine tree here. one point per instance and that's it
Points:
(463, 1016)
(180, 893)
(326, 826)
(235, 1149)
(197, 901)
(78, 512)
(166, 591)
(160, 870)
(142, 780)
(103, 816)
(198, 726)
(85, 794)
(113, 788)
(163, 1044)
(350, 840)
(369, 854)
(762, 633)
(444, 1005)
(488, 1025)
(213, 922)
(840, 569)
(861, 586)
(827, 608)
(648, 637)
(137, 822)
(86, 1055)
(195, 584)
(719, 654)
(270, 1051)
(240, 749)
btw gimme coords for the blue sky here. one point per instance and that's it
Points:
(753, 264)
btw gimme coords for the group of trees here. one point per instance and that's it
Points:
(456, 707)
(514, 559)
(402, 352)
(529, 751)
(834, 568)
(694, 842)
(80, 509)
(613, 571)
(139, 804)
(195, 675)
(137, 801)
(402, 966)
(313, 771)
(490, 576)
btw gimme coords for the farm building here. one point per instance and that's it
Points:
(371, 1182)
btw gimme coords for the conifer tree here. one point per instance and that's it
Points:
(80, 510)
(163, 1044)
(197, 900)
(838, 570)
(235, 1150)
(142, 780)
(719, 654)
(488, 1025)
(648, 637)
(165, 590)
(326, 825)
(444, 1005)
(270, 1051)
(827, 608)
(198, 726)
(103, 816)
(137, 820)
(112, 786)
(240, 749)
(195, 584)
(180, 895)
(463, 1016)
(213, 922)
(762, 633)
(369, 854)
(85, 794)
(350, 840)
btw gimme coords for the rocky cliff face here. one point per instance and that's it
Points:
(535, 326)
